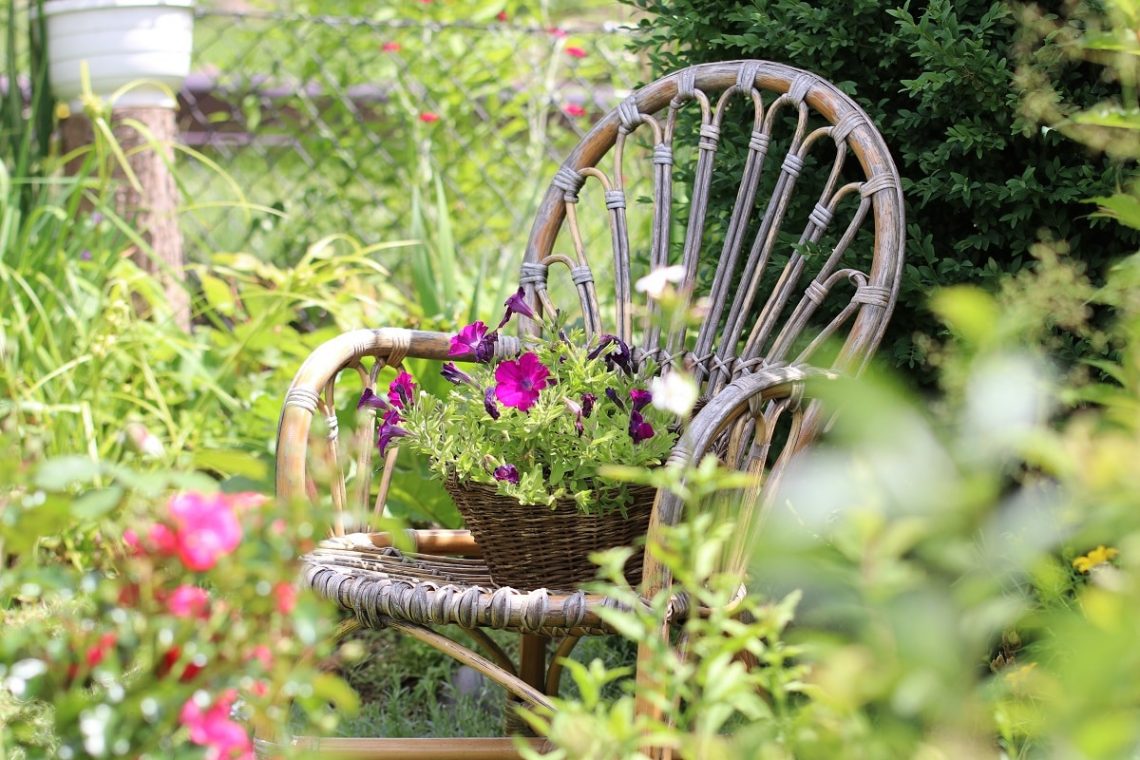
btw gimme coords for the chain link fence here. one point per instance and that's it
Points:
(385, 130)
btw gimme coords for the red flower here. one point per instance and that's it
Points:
(520, 381)
(98, 652)
(286, 595)
(391, 47)
(575, 52)
(428, 117)
(502, 16)
(170, 658)
(573, 109)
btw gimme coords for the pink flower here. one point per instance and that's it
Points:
(189, 601)
(390, 47)
(163, 540)
(520, 381)
(501, 15)
(286, 595)
(427, 117)
(207, 528)
(262, 654)
(575, 52)
(225, 739)
(573, 109)
(556, 33)
(258, 688)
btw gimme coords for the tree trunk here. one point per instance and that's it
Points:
(153, 211)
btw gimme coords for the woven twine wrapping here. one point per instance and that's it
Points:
(529, 546)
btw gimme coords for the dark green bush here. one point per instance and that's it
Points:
(982, 184)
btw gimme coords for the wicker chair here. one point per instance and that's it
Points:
(753, 353)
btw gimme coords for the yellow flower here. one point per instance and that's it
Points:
(1097, 556)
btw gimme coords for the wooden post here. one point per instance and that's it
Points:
(153, 211)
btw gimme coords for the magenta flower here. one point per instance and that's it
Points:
(516, 304)
(389, 430)
(402, 391)
(474, 340)
(429, 117)
(453, 374)
(507, 472)
(390, 47)
(639, 398)
(575, 52)
(639, 428)
(214, 729)
(574, 110)
(207, 529)
(588, 401)
(370, 400)
(521, 381)
(489, 403)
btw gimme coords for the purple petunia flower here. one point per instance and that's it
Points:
(489, 403)
(639, 398)
(389, 430)
(453, 374)
(371, 401)
(402, 391)
(474, 340)
(516, 304)
(588, 401)
(520, 381)
(485, 348)
(639, 428)
(611, 394)
(620, 356)
(507, 472)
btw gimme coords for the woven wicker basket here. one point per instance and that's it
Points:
(529, 546)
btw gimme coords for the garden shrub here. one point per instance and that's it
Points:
(982, 183)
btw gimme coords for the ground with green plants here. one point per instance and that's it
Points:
(952, 574)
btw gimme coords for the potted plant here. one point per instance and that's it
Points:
(137, 51)
(519, 442)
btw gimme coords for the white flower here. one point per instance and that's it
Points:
(676, 393)
(654, 283)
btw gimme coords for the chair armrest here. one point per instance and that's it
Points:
(746, 394)
(320, 369)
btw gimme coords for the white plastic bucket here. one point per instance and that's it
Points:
(123, 42)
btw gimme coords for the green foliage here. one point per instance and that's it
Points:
(99, 656)
(356, 153)
(701, 681)
(937, 79)
(554, 460)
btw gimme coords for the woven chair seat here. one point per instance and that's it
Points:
(379, 583)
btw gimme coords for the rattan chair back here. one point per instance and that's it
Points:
(774, 289)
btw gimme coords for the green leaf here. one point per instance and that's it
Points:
(95, 504)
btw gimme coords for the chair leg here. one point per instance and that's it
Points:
(532, 670)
